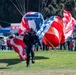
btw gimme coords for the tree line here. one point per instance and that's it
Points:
(11, 11)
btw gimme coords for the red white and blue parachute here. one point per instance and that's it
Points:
(31, 20)
(51, 31)
(68, 24)
(35, 20)
(56, 30)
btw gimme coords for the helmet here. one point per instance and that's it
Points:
(31, 30)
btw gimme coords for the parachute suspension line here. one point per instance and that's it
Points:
(24, 11)
(50, 43)
(19, 5)
(17, 8)
(5, 22)
(27, 5)
(45, 13)
(22, 7)
(44, 6)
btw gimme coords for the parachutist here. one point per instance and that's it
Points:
(30, 39)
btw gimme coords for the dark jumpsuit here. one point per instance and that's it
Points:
(29, 40)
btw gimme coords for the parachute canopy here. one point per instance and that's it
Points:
(35, 19)
(52, 31)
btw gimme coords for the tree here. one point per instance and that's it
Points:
(10, 14)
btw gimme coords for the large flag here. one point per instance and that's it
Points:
(51, 31)
(17, 42)
(24, 27)
(29, 20)
(68, 24)
(56, 30)
(18, 46)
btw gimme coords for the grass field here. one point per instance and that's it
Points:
(63, 62)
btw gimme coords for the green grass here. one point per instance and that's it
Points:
(45, 60)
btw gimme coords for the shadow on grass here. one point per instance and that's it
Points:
(10, 61)
(16, 61)
(4, 68)
(40, 57)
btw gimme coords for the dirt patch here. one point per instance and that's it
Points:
(42, 72)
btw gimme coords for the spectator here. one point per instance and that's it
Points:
(3, 44)
(9, 38)
(68, 42)
(62, 46)
(11, 35)
(0, 43)
(71, 45)
(44, 47)
(8, 45)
